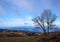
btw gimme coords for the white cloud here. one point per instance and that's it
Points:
(17, 22)
(57, 22)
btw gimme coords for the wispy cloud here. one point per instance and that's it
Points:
(23, 4)
(17, 5)
(17, 22)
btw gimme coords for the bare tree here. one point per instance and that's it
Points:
(45, 20)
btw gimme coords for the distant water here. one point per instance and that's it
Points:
(32, 29)
(28, 28)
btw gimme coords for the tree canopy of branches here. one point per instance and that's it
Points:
(45, 20)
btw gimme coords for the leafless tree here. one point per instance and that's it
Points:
(45, 20)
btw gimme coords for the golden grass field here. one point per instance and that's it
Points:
(29, 39)
(19, 39)
(50, 38)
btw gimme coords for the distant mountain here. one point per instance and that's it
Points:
(25, 29)
(2, 30)
(28, 28)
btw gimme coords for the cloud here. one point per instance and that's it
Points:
(17, 22)
(23, 4)
(19, 5)
(16, 5)
(57, 22)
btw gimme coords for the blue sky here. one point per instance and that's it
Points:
(20, 12)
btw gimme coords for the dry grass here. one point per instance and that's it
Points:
(19, 39)
(16, 37)
(50, 38)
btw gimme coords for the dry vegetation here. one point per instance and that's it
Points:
(21, 37)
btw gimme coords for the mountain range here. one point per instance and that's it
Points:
(28, 28)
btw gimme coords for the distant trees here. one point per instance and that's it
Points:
(45, 20)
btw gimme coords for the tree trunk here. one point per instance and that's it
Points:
(44, 32)
(48, 30)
